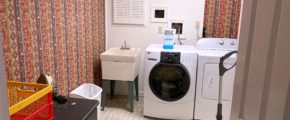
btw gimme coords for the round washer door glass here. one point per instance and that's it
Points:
(169, 82)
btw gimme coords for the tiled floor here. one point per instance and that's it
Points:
(117, 109)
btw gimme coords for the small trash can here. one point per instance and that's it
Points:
(88, 91)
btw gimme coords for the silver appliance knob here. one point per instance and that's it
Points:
(221, 42)
(232, 43)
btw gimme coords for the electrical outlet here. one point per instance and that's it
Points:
(160, 29)
(197, 24)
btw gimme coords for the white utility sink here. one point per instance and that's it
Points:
(120, 64)
(120, 55)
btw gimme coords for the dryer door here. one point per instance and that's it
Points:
(210, 81)
(169, 82)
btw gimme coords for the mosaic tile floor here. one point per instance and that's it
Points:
(117, 109)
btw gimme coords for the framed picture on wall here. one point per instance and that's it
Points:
(159, 14)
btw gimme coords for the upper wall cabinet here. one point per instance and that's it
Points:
(129, 12)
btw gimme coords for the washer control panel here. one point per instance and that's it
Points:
(170, 57)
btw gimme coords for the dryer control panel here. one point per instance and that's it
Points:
(225, 44)
(170, 57)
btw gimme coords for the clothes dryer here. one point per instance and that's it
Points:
(209, 52)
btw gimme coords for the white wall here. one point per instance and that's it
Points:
(189, 11)
(3, 94)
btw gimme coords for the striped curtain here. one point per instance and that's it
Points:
(221, 18)
(62, 38)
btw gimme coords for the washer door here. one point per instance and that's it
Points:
(169, 82)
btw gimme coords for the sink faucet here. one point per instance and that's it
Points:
(125, 47)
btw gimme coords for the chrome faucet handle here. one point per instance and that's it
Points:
(221, 42)
(125, 46)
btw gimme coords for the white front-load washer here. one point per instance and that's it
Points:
(169, 83)
(209, 52)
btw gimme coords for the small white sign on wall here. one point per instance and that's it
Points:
(159, 13)
(129, 12)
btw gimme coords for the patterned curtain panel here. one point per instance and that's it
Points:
(62, 38)
(221, 18)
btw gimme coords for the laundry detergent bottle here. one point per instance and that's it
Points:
(168, 38)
